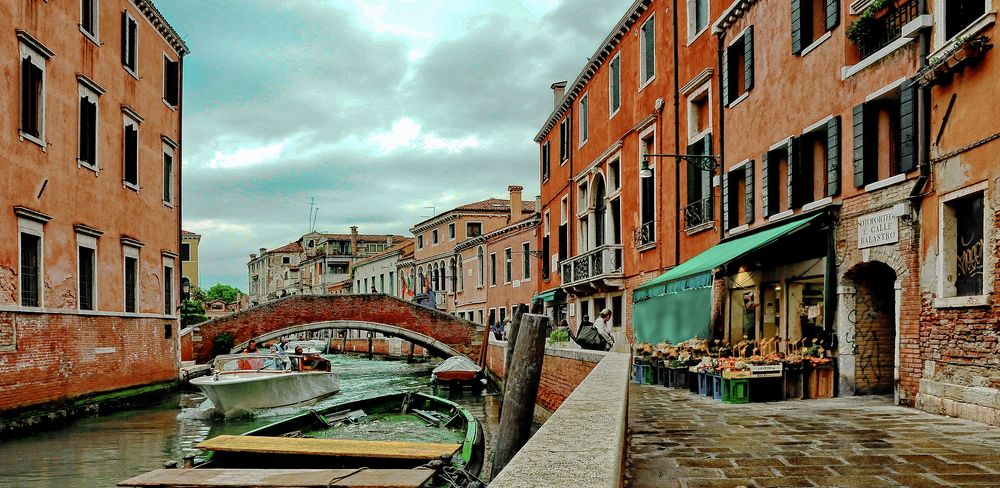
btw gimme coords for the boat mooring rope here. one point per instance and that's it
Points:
(331, 484)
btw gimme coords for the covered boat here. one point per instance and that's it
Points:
(245, 382)
(426, 440)
(457, 371)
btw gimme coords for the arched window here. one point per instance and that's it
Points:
(453, 269)
(443, 281)
(480, 262)
(600, 210)
(460, 277)
(434, 277)
(420, 280)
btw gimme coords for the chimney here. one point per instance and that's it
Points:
(354, 240)
(253, 256)
(388, 241)
(558, 90)
(263, 250)
(538, 204)
(515, 202)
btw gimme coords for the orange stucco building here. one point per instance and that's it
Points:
(90, 205)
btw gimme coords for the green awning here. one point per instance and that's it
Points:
(694, 272)
(547, 296)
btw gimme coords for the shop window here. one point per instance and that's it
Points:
(614, 85)
(738, 196)
(963, 249)
(959, 14)
(738, 73)
(811, 19)
(544, 157)
(884, 135)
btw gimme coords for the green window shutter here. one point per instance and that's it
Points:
(748, 56)
(724, 79)
(907, 126)
(706, 178)
(793, 164)
(725, 201)
(859, 145)
(748, 178)
(764, 175)
(693, 176)
(796, 26)
(832, 14)
(833, 157)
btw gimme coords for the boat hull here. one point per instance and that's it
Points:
(254, 391)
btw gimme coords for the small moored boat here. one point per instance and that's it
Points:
(457, 371)
(246, 382)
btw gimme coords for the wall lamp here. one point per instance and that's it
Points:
(703, 161)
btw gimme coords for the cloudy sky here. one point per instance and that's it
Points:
(377, 108)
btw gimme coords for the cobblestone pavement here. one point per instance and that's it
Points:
(678, 439)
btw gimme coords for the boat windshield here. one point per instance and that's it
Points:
(251, 362)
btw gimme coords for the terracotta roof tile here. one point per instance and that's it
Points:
(290, 247)
(497, 205)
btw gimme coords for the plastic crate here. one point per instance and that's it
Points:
(735, 390)
(637, 373)
(767, 389)
(704, 384)
(716, 386)
(647, 374)
(692, 379)
(793, 382)
(678, 377)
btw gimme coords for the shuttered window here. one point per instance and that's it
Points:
(748, 182)
(738, 61)
(86, 277)
(811, 19)
(87, 153)
(130, 42)
(884, 135)
(131, 155)
(648, 50)
(738, 196)
(615, 84)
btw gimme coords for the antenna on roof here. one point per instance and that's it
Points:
(313, 212)
(433, 212)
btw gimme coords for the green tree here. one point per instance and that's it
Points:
(192, 312)
(222, 292)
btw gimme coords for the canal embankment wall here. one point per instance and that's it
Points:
(563, 370)
(583, 443)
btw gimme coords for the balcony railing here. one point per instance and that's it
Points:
(697, 213)
(644, 235)
(603, 262)
(888, 27)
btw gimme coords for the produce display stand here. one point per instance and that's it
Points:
(793, 382)
(819, 381)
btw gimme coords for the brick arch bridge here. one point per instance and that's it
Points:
(440, 333)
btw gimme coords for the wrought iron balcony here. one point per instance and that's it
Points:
(644, 235)
(600, 263)
(698, 213)
(880, 32)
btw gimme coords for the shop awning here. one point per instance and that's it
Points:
(546, 296)
(677, 305)
(712, 258)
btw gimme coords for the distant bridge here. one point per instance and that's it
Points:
(441, 334)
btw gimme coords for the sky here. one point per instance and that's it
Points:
(378, 109)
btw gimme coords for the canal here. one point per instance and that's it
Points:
(100, 451)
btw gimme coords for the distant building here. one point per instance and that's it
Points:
(315, 264)
(379, 272)
(189, 258)
(218, 308)
(90, 146)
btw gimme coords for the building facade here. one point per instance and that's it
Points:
(189, 259)
(379, 274)
(93, 115)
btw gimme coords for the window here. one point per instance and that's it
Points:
(959, 14)
(493, 269)
(508, 265)
(584, 116)
(647, 197)
(420, 241)
(381, 283)
(502, 314)
(473, 229)
(615, 85)
(738, 196)
(737, 75)
(819, 162)
(130, 43)
(392, 283)
(168, 287)
(700, 111)
(545, 160)
(31, 269)
(884, 135)
(89, 18)
(564, 141)
(131, 279)
(480, 263)
(968, 213)
(286, 260)
(434, 237)
(966, 267)
(87, 144)
(545, 246)
(33, 56)
(171, 82)
(451, 231)
(811, 20)
(699, 187)
(525, 262)
(86, 271)
(647, 44)
(168, 174)
(777, 178)
(131, 155)
(615, 175)
(697, 14)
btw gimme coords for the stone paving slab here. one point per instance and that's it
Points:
(679, 439)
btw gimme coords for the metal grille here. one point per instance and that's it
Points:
(698, 213)
(86, 278)
(889, 27)
(644, 235)
(30, 269)
(130, 274)
(168, 290)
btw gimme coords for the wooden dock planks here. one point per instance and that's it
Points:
(294, 478)
(328, 447)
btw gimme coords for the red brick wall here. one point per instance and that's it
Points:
(55, 356)
(560, 375)
(297, 310)
(187, 346)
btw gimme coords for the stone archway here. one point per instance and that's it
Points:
(869, 329)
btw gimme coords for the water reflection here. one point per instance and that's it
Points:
(101, 451)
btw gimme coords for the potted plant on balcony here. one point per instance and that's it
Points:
(865, 27)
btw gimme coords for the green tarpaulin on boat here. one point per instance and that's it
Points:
(677, 305)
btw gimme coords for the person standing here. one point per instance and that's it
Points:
(603, 326)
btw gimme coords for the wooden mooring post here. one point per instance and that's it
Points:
(520, 389)
(371, 345)
(409, 355)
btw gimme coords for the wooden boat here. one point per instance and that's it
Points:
(410, 439)
(242, 383)
(457, 371)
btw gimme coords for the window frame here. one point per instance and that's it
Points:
(508, 265)
(614, 78)
(127, 121)
(546, 157)
(88, 91)
(169, 178)
(526, 261)
(477, 222)
(127, 48)
(481, 266)
(37, 55)
(452, 232)
(583, 109)
(643, 79)
(564, 138)
(434, 237)
(643, 136)
(940, 12)
(693, 32)
(131, 252)
(95, 13)
(167, 60)
(702, 92)
(420, 241)
(493, 269)
(169, 300)
(947, 296)
(87, 242)
(37, 229)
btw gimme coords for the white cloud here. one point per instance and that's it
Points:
(451, 145)
(406, 133)
(214, 226)
(250, 156)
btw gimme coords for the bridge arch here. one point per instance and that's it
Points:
(429, 343)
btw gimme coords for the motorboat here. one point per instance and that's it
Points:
(399, 439)
(457, 371)
(242, 383)
(314, 346)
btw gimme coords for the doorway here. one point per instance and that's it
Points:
(874, 321)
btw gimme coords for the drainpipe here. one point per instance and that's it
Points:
(924, 126)
(677, 149)
(722, 133)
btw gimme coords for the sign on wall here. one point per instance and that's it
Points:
(878, 229)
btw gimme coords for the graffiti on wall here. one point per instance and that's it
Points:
(865, 345)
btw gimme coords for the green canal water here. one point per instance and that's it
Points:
(100, 451)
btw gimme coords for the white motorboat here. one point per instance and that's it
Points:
(246, 382)
(314, 346)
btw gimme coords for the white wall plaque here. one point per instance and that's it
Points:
(878, 229)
